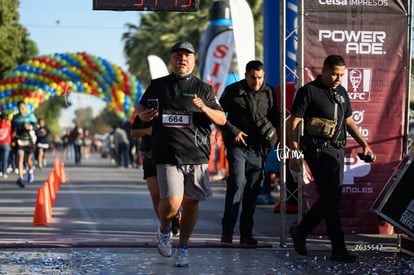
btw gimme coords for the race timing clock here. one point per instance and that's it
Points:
(146, 5)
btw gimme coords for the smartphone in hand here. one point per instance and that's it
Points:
(152, 103)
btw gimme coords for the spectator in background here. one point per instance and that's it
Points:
(121, 142)
(67, 145)
(13, 157)
(250, 132)
(5, 141)
(127, 128)
(111, 145)
(87, 144)
(42, 143)
(324, 153)
(77, 138)
(56, 144)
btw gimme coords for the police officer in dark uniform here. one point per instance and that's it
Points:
(324, 100)
(250, 131)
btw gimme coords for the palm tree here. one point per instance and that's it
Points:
(157, 31)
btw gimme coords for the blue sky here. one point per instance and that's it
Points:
(61, 26)
(72, 26)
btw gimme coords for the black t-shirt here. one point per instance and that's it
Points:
(246, 110)
(316, 100)
(42, 134)
(175, 143)
(65, 140)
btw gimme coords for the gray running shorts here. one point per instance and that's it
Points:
(190, 181)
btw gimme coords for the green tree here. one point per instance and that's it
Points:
(50, 110)
(84, 117)
(257, 11)
(101, 123)
(157, 31)
(15, 46)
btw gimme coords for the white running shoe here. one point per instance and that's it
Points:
(164, 243)
(181, 260)
(30, 177)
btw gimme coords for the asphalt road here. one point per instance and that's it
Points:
(101, 201)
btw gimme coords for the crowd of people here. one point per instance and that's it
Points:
(24, 143)
(21, 143)
(26, 140)
(177, 112)
(173, 125)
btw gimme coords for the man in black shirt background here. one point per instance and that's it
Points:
(323, 148)
(250, 132)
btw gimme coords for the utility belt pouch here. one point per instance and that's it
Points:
(321, 127)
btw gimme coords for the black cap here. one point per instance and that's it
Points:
(184, 45)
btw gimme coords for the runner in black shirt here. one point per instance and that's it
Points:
(182, 107)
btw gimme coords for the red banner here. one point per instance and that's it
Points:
(372, 36)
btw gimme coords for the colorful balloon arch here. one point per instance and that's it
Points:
(62, 73)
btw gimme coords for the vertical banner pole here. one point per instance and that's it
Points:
(282, 11)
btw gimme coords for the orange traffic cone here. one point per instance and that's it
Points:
(48, 202)
(62, 173)
(51, 186)
(57, 161)
(55, 180)
(41, 211)
(56, 169)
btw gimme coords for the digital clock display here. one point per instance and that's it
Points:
(146, 5)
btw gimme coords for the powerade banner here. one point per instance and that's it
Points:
(372, 37)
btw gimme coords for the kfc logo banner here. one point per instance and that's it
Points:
(372, 36)
(359, 79)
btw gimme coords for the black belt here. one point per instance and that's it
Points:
(320, 143)
(326, 144)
